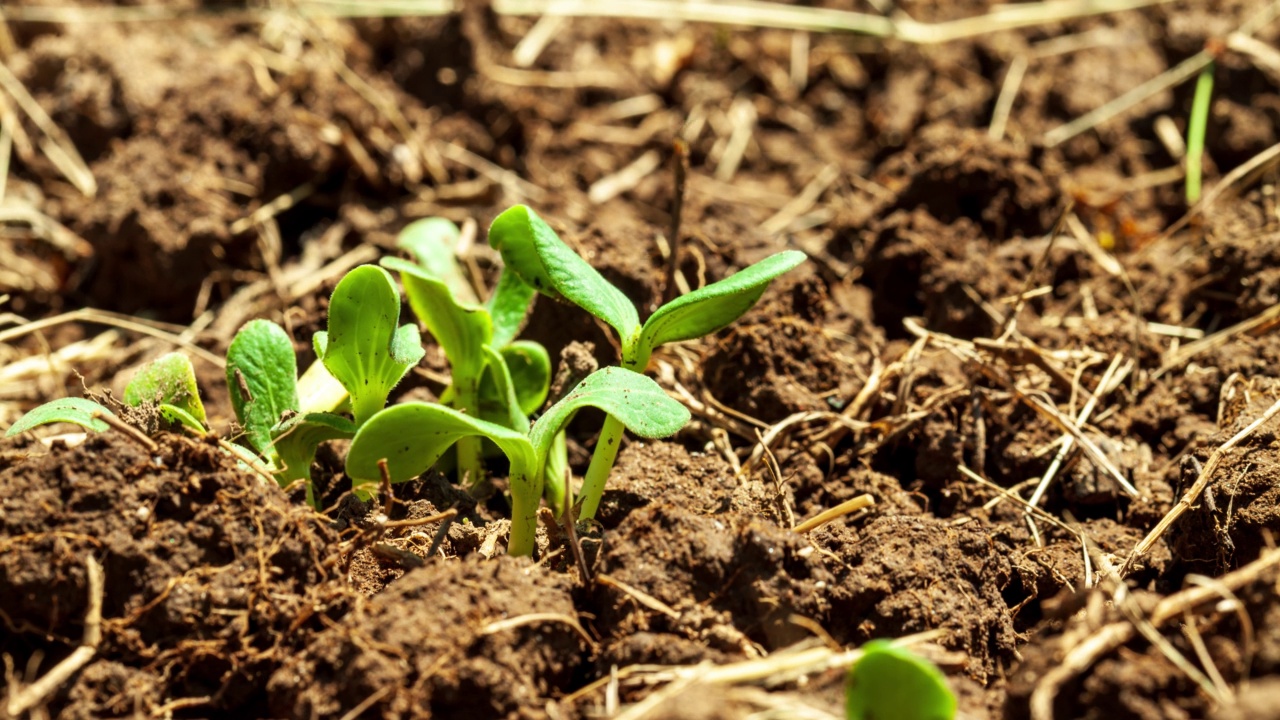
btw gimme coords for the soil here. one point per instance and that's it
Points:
(243, 159)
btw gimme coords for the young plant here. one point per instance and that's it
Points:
(262, 375)
(478, 340)
(892, 682)
(412, 436)
(532, 250)
(1197, 123)
(169, 381)
(281, 427)
(363, 348)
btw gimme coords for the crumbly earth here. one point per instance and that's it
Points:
(244, 158)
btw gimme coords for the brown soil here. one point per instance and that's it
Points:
(226, 597)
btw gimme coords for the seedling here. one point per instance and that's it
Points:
(169, 381)
(281, 427)
(892, 682)
(363, 348)
(1197, 124)
(478, 340)
(412, 436)
(532, 250)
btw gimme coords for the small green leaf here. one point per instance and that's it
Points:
(530, 370)
(505, 397)
(532, 250)
(434, 243)
(461, 330)
(413, 435)
(296, 439)
(170, 380)
(508, 307)
(634, 399)
(77, 411)
(363, 348)
(175, 414)
(708, 309)
(261, 360)
(892, 682)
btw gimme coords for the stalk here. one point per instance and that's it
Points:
(601, 465)
(319, 391)
(606, 452)
(1196, 125)
(467, 400)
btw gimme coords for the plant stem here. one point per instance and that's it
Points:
(319, 391)
(1196, 125)
(525, 497)
(601, 465)
(467, 399)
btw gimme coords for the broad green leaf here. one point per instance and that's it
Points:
(170, 380)
(77, 411)
(362, 347)
(532, 250)
(296, 439)
(462, 330)
(413, 435)
(508, 307)
(175, 414)
(892, 682)
(632, 398)
(530, 370)
(261, 355)
(715, 306)
(434, 243)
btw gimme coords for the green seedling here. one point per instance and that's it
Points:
(262, 375)
(893, 682)
(363, 348)
(1197, 124)
(169, 381)
(281, 429)
(532, 250)
(412, 436)
(478, 340)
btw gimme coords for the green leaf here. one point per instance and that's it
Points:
(632, 398)
(434, 243)
(296, 439)
(530, 368)
(508, 307)
(531, 249)
(261, 355)
(413, 435)
(461, 330)
(892, 682)
(505, 399)
(362, 347)
(175, 414)
(170, 380)
(715, 306)
(78, 411)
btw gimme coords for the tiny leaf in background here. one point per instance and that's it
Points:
(167, 380)
(893, 682)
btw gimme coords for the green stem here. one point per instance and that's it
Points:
(526, 494)
(601, 465)
(1197, 123)
(467, 399)
(606, 452)
(319, 391)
